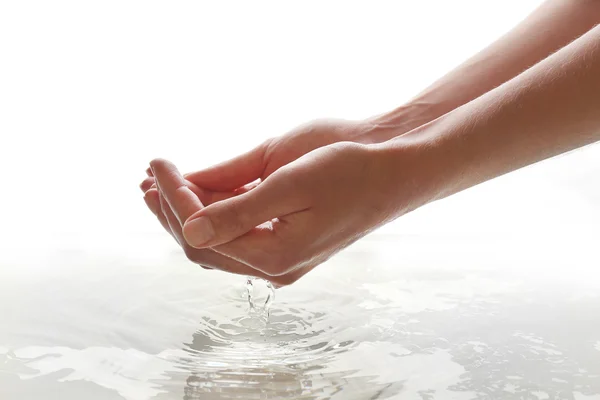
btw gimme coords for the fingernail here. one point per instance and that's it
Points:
(198, 231)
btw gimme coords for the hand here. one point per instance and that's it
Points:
(242, 173)
(298, 217)
(276, 152)
(172, 211)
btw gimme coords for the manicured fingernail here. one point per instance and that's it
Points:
(198, 231)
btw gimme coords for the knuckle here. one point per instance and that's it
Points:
(267, 143)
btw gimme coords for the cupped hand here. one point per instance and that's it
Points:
(180, 200)
(244, 172)
(276, 152)
(298, 217)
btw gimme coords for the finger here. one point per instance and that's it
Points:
(175, 228)
(226, 220)
(207, 258)
(173, 223)
(151, 197)
(208, 196)
(276, 250)
(213, 260)
(182, 201)
(233, 173)
(149, 172)
(205, 196)
(246, 188)
(147, 184)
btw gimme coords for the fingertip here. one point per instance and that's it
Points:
(159, 163)
(147, 184)
(155, 164)
(195, 215)
(198, 232)
(152, 192)
(156, 161)
(149, 172)
(166, 175)
(151, 199)
(233, 173)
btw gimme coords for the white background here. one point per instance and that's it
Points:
(91, 91)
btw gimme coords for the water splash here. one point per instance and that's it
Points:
(260, 295)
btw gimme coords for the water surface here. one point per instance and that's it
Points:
(393, 317)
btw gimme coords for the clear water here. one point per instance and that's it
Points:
(260, 294)
(390, 318)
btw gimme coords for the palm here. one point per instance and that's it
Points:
(236, 176)
(304, 139)
(273, 154)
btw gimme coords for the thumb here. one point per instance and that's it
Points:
(228, 219)
(233, 173)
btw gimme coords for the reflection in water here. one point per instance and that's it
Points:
(289, 359)
(406, 332)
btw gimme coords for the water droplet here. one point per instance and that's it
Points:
(261, 294)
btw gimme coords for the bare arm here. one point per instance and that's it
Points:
(311, 207)
(549, 109)
(549, 28)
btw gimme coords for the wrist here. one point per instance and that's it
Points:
(389, 125)
(414, 170)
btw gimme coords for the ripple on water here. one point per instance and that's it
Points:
(284, 358)
(394, 334)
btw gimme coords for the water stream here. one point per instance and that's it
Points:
(260, 294)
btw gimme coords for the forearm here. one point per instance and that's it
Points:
(550, 109)
(550, 27)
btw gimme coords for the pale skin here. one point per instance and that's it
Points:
(283, 208)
